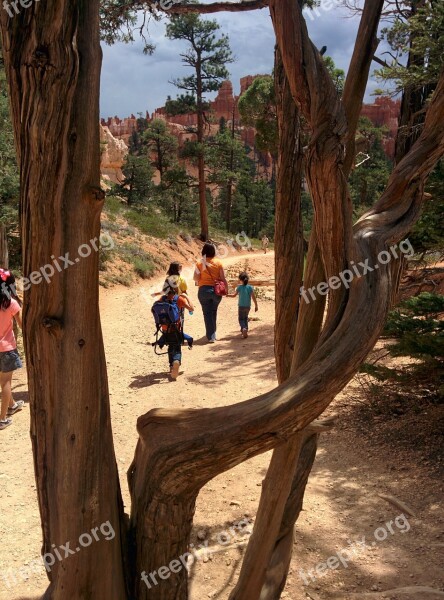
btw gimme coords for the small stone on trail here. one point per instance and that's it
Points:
(202, 534)
(234, 503)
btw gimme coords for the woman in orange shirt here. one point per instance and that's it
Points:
(208, 270)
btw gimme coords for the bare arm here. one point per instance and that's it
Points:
(232, 295)
(253, 295)
(222, 277)
(18, 318)
(187, 303)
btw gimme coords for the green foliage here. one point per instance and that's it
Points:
(177, 197)
(423, 36)
(253, 207)
(206, 53)
(226, 158)
(138, 186)
(142, 262)
(182, 105)
(417, 325)
(136, 143)
(9, 173)
(428, 233)
(369, 179)
(119, 20)
(338, 75)
(257, 107)
(114, 205)
(160, 142)
(151, 221)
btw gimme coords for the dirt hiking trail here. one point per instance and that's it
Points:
(349, 543)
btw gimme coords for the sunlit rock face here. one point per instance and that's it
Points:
(113, 154)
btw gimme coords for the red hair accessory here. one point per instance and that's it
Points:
(4, 274)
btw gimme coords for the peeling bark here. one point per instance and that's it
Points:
(52, 57)
(289, 239)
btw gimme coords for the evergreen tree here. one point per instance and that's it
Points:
(369, 179)
(177, 196)
(257, 107)
(253, 210)
(184, 104)
(227, 161)
(428, 234)
(138, 187)
(338, 75)
(162, 144)
(208, 56)
(136, 143)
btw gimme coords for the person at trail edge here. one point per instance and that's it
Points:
(209, 270)
(175, 349)
(265, 243)
(9, 357)
(246, 294)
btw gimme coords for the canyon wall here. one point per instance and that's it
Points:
(383, 112)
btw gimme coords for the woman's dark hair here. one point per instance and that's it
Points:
(244, 277)
(209, 250)
(174, 268)
(7, 288)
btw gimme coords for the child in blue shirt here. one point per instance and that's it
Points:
(246, 294)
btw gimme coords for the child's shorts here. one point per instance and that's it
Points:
(10, 361)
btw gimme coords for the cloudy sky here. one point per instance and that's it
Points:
(133, 82)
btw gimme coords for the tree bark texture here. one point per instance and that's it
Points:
(289, 238)
(53, 58)
(308, 327)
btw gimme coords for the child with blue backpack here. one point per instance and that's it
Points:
(168, 313)
(246, 294)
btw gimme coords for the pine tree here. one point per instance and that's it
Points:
(162, 144)
(138, 187)
(208, 56)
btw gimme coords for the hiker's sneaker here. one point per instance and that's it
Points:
(244, 333)
(17, 406)
(6, 423)
(175, 370)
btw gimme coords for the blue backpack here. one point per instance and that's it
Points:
(166, 313)
(167, 316)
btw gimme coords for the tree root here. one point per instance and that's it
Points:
(398, 503)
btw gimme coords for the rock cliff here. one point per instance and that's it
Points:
(113, 154)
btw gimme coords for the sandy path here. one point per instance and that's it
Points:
(341, 502)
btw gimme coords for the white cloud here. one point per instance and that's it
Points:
(133, 82)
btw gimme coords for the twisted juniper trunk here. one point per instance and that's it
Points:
(53, 58)
(289, 235)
